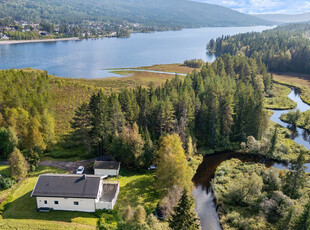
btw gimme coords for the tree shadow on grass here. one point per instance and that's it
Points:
(25, 208)
(140, 191)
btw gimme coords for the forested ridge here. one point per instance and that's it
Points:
(283, 49)
(160, 13)
(220, 105)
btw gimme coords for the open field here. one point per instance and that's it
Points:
(173, 68)
(69, 93)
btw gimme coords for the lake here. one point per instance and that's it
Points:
(89, 58)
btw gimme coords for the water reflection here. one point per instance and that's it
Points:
(205, 206)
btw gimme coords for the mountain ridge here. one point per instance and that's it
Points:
(160, 13)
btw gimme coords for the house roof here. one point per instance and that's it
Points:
(108, 192)
(105, 158)
(68, 186)
(106, 165)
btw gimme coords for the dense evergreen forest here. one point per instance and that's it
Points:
(160, 13)
(283, 49)
(26, 120)
(214, 108)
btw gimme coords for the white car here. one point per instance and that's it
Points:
(152, 167)
(80, 170)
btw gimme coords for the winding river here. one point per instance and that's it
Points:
(204, 199)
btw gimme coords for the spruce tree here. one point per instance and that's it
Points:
(295, 177)
(184, 216)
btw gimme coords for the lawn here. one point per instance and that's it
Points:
(22, 209)
(137, 189)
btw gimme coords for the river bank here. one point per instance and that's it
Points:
(12, 42)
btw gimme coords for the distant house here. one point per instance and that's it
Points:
(70, 192)
(106, 168)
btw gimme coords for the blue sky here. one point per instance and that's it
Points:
(264, 6)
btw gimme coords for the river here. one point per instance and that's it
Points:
(204, 199)
(90, 58)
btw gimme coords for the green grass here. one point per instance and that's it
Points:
(23, 208)
(5, 170)
(123, 72)
(137, 189)
(279, 99)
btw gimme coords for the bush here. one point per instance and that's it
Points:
(194, 63)
(6, 183)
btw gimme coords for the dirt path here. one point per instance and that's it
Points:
(71, 167)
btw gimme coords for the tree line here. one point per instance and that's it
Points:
(283, 49)
(214, 108)
(26, 121)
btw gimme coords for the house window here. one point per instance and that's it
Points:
(76, 203)
(45, 202)
(56, 202)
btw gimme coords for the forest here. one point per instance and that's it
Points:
(26, 119)
(159, 14)
(283, 49)
(215, 108)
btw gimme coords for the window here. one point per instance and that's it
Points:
(76, 203)
(45, 202)
(55, 202)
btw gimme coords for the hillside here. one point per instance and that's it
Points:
(285, 18)
(160, 13)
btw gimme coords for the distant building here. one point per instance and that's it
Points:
(70, 192)
(106, 168)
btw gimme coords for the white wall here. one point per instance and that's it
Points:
(85, 205)
(106, 172)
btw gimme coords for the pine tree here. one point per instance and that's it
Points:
(273, 141)
(303, 221)
(81, 125)
(184, 216)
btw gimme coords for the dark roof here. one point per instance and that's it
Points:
(108, 192)
(69, 186)
(106, 165)
(105, 158)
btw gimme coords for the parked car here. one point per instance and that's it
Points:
(152, 167)
(80, 170)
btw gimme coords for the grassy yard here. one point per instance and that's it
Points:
(136, 189)
(22, 210)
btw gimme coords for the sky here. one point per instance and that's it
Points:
(264, 6)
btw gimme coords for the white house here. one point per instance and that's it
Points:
(73, 192)
(106, 168)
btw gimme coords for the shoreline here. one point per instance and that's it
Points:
(11, 42)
